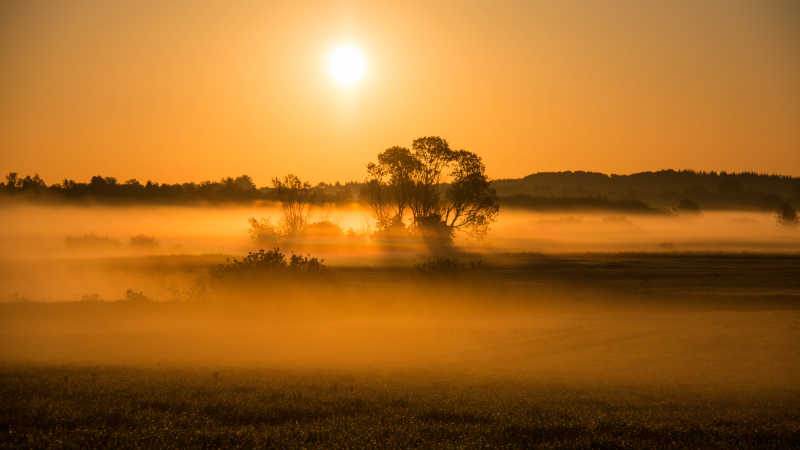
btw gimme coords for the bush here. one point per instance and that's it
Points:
(142, 241)
(268, 263)
(306, 264)
(447, 266)
(135, 296)
(263, 232)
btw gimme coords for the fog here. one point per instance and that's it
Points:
(557, 300)
(539, 334)
(58, 253)
(196, 230)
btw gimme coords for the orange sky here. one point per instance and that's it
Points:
(193, 90)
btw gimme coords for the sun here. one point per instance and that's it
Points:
(346, 64)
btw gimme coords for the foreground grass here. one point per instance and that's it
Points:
(107, 407)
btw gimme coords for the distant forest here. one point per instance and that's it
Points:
(646, 192)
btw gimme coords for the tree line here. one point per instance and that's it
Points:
(101, 189)
(401, 181)
(664, 190)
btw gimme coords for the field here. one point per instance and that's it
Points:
(102, 407)
(622, 350)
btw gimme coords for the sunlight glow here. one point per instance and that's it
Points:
(346, 64)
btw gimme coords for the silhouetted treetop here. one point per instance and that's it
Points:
(443, 190)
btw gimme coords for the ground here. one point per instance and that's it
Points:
(525, 350)
(103, 407)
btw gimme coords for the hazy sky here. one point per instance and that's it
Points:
(193, 90)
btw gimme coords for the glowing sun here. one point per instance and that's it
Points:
(346, 64)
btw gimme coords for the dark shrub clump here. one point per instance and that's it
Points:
(144, 242)
(447, 266)
(135, 296)
(268, 263)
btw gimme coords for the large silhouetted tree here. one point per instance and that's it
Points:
(442, 190)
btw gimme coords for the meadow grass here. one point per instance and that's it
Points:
(113, 407)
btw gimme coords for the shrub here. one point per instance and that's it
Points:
(267, 263)
(447, 266)
(142, 241)
(307, 264)
(263, 232)
(135, 296)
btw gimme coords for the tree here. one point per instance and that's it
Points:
(32, 184)
(295, 197)
(245, 184)
(444, 190)
(390, 186)
(12, 181)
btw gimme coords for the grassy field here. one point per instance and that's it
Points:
(526, 350)
(102, 407)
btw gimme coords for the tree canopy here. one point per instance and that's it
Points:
(440, 189)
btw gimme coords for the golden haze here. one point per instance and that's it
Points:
(194, 90)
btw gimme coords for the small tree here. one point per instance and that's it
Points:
(12, 181)
(295, 197)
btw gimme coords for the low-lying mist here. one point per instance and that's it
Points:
(30, 229)
(572, 296)
(482, 326)
(57, 253)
